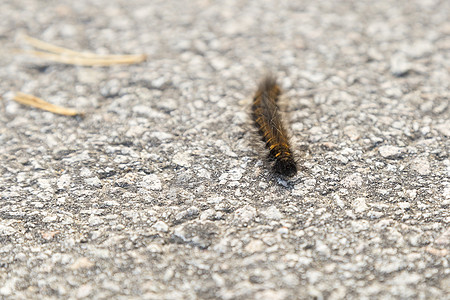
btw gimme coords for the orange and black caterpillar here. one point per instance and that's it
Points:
(268, 121)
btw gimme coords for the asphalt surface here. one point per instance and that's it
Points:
(162, 190)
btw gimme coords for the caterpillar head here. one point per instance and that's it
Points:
(285, 166)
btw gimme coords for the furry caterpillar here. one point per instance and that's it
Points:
(268, 121)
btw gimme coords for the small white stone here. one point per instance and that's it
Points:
(44, 184)
(219, 63)
(339, 201)
(152, 182)
(421, 165)
(85, 172)
(235, 174)
(6, 230)
(418, 49)
(21, 256)
(66, 220)
(399, 64)
(444, 239)
(360, 225)
(50, 219)
(84, 291)
(375, 214)
(207, 214)
(406, 278)
(313, 276)
(182, 159)
(215, 200)
(154, 248)
(404, 205)
(390, 267)
(147, 111)
(95, 220)
(391, 152)
(304, 260)
(63, 181)
(254, 246)
(352, 132)
(322, 248)
(283, 230)
(7, 288)
(218, 279)
(359, 205)
(291, 280)
(192, 211)
(444, 128)
(82, 263)
(93, 181)
(341, 158)
(353, 180)
(245, 214)
(271, 294)
(161, 226)
(411, 194)
(272, 213)
(204, 173)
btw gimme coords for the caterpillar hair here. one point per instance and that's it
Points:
(265, 114)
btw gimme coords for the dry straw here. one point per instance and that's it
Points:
(34, 101)
(67, 56)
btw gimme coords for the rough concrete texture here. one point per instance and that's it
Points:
(162, 191)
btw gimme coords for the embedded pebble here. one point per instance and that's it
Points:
(85, 172)
(360, 225)
(81, 263)
(161, 226)
(245, 215)
(93, 181)
(44, 183)
(95, 221)
(391, 152)
(322, 248)
(182, 159)
(84, 291)
(163, 136)
(7, 288)
(421, 165)
(207, 214)
(400, 65)
(444, 128)
(49, 219)
(352, 180)
(254, 246)
(197, 234)
(272, 213)
(6, 230)
(235, 174)
(405, 278)
(352, 132)
(64, 181)
(444, 239)
(152, 182)
(359, 205)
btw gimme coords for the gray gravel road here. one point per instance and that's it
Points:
(161, 191)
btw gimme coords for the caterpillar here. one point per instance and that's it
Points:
(266, 116)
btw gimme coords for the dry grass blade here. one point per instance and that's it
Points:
(67, 56)
(47, 46)
(85, 61)
(34, 101)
